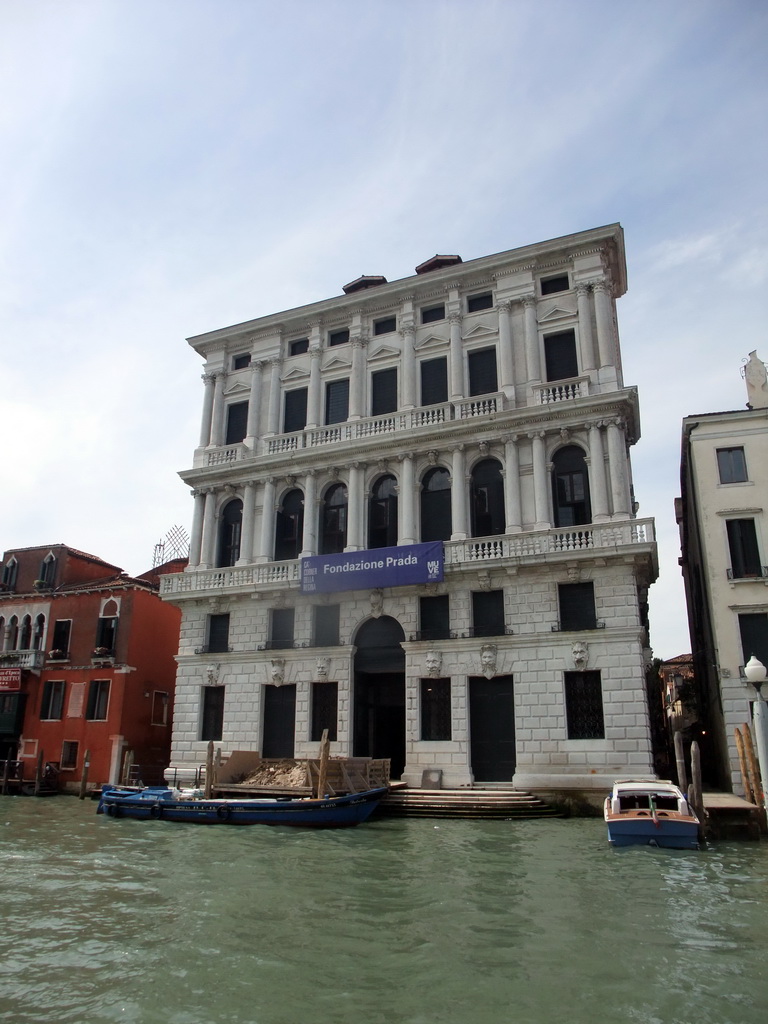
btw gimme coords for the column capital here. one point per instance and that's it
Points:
(407, 330)
(528, 300)
(582, 288)
(455, 318)
(208, 378)
(533, 434)
(275, 362)
(504, 306)
(358, 341)
(315, 351)
(599, 284)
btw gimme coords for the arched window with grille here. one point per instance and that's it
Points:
(25, 634)
(382, 513)
(229, 533)
(436, 522)
(289, 525)
(487, 499)
(333, 532)
(570, 487)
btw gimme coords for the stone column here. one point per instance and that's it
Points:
(540, 480)
(309, 536)
(254, 405)
(512, 499)
(456, 358)
(196, 539)
(617, 467)
(459, 486)
(267, 542)
(209, 530)
(249, 516)
(506, 353)
(217, 424)
(604, 323)
(532, 360)
(275, 396)
(407, 501)
(357, 382)
(314, 392)
(355, 509)
(408, 368)
(585, 327)
(597, 487)
(207, 420)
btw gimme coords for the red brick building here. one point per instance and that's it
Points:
(87, 663)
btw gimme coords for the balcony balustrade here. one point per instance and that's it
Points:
(593, 539)
(22, 659)
(560, 391)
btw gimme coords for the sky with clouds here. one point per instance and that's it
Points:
(169, 167)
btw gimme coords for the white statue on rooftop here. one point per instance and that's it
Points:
(757, 382)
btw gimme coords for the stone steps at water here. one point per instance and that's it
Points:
(464, 803)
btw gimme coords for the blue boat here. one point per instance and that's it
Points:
(162, 803)
(650, 812)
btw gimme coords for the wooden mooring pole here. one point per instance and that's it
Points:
(209, 771)
(743, 766)
(6, 773)
(682, 777)
(752, 766)
(695, 796)
(39, 773)
(322, 777)
(84, 776)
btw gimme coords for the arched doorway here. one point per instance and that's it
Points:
(379, 716)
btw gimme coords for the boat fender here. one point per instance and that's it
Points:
(223, 813)
(156, 810)
(113, 810)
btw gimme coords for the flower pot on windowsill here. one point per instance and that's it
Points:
(57, 655)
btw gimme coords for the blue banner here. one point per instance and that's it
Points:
(373, 569)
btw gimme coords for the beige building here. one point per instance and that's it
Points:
(475, 409)
(723, 517)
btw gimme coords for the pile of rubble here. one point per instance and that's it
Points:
(278, 773)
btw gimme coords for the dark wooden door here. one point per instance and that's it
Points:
(279, 721)
(492, 728)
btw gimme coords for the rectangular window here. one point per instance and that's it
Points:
(52, 705)
(325, 701)
(160, 705)
(433, 313)
(742, 544)
(475, 303)
(482, 372)
(436, 709)
(384, 391)
(387, 325)
(295, 413)
(559, 283)
(106, 634)
(577, 605)
(298, 347)
(488, 613)
(98, 700)
(753, 627)
(68, 754)
(337, 401)
(61, 631)
(237, 422)
(731, 465)
(584, 706)
(340, 337)
(281, 628)
(560, 355)
(434, 381)
(212, 722)
(241, 362)
(326, 625)
(218, 633)
(434, 618)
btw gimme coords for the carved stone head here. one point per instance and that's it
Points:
(580, 653)
(488, 660)
(433, 661)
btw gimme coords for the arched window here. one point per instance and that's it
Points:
(25, 634)
(436, 523)
(48, 570)
(13, 633)
(2, 633)
(333, 535)
(570, 487)
(229, 533)
(37, 638)
(487, 499)
(382, 513)
(10, 569)
(289, 525)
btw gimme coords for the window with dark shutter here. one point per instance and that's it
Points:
(382, 513)
(237, 422)
(731, 465)
(61, 631)
(560, 355)
(436, 514)
(436, 709)
(753, 627)
(482, 372)
(281, 631)
(298, 347)
(218, 633)
(229, 533)
(106, 633)
(742, 542)
(326, 625)
(295, 415)
(325, 701)
(559, 283)
(487, 496)
(488, 613)
(434, 381)
(98, 700)
(333, 537)
(577, 605)
(433, 313)
(337, 401)
(212, 724)
(241, 362)
(387, 325)
(52, 704)
(289, 526)
(434, 618)
(584, 706)
(570, 487)
(384, 391)
(340, 337)
(477, 302)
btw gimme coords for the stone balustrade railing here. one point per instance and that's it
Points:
(22, 659)
(592, 538)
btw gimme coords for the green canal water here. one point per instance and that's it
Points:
(398, 921)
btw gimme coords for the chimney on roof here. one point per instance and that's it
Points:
(360, 283)
(437, 263)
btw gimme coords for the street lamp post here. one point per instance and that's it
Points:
(755, 672)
